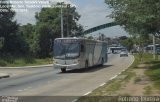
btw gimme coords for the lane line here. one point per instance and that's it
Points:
(87, 93)
(102, 84)
(113, 77)
(75, 100)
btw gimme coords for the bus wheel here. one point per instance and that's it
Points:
(86, 64)
(63, 70)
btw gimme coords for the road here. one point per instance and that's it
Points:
(51, 82)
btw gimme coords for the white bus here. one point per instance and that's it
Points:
(149, 49)
(75, 53)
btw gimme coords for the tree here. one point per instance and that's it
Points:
(8, 30)
(48, 27)
(44, 39)
(71, 27)
(27, 32)
(128, 43)
(137, 16)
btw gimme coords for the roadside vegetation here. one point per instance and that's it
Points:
(32, 44)
(11, 61)
(154, 72)
(140, 79)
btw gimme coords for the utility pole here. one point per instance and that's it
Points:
(62, 3)
(154, 47)
(68, 8)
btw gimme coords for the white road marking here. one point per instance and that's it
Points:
(74, 100)
(87, 93)
(113, 77)
(102, 84)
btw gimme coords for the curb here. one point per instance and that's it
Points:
(49, 65)
(4, 75)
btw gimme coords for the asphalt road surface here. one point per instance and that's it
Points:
(51, 82)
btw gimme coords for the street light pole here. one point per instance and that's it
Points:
(154, 47)
(68, 8)
(62, 19)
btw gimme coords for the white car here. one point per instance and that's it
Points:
(124, 53)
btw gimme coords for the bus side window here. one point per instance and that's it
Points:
(82, 48)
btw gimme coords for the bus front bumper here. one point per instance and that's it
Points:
(70, 66)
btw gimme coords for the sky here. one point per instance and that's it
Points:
(93, 13)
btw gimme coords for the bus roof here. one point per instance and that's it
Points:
(80, 39)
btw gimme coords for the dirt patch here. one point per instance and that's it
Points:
(139, 72)
(132, 89)
(139, 85)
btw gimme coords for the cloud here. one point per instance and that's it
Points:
(94, 15)
(29, 16)
(26, 17)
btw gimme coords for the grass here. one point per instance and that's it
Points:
(114, 85)
(10, 61)
(148, 90)
(154, 73)
(136, 61)
(147, 57)
(153, 68)
(108, 89)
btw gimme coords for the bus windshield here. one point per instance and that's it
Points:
(66, 49)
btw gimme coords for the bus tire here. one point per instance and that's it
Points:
(63, 70)
(86, 64)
